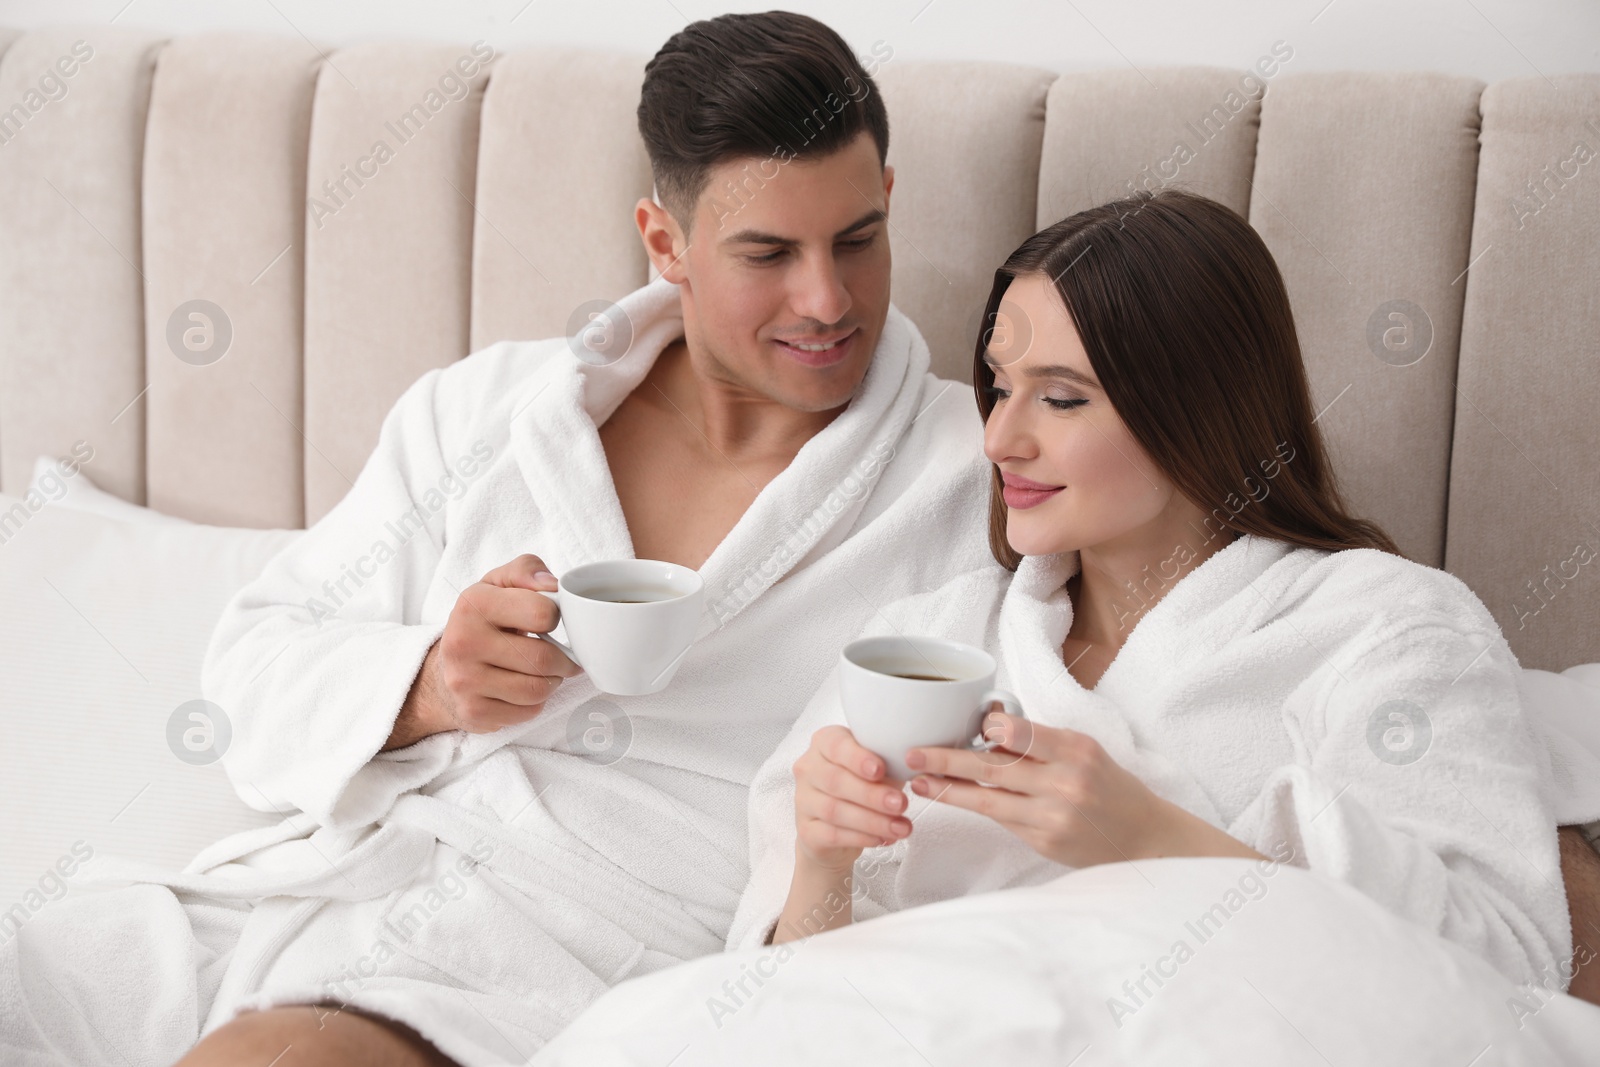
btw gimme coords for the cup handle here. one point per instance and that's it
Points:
(1012, 706)
(565, 650)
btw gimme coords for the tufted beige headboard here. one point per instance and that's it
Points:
(246, 172)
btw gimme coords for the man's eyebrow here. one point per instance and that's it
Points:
(756, 237)
(875, 215)
(1051, 371)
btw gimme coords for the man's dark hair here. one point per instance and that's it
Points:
(775, 84)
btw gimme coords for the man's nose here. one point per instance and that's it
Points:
(819, 292)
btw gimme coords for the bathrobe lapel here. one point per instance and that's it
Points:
(1200, 614)
(806, 509)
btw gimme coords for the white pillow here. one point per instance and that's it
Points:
(104, 623)
(64, 482)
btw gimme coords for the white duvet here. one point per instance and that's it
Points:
(1116, 964)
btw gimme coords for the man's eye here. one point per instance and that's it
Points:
(859, 245)
(770, 257)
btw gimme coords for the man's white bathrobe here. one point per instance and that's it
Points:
(1354, 707)
(485, 888)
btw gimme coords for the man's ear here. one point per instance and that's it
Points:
(663, 238)
(888, 184)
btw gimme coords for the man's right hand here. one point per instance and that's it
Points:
(484, 672)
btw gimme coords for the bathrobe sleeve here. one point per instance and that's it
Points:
(773, 834)
(1418, 781)
(312, 661)
(962, 609)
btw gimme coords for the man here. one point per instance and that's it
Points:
(496, 843)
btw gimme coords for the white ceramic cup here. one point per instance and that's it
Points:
(628, 649)
(889, 713)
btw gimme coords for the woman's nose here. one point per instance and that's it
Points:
(1006, 435)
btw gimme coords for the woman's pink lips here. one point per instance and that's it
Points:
(820, 359)
(1023, 493)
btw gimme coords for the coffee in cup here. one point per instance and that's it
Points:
(909, 692)
(628, 622)
(638, 594)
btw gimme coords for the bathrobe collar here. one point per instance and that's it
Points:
(1199, 613)
(819, 494)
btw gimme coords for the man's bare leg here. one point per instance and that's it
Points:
(306, 1035)
(1580, 870)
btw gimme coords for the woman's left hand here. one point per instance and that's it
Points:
(1060, 792)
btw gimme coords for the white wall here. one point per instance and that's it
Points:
(1488, 39)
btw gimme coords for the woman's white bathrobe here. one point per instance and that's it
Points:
(1355, 707)
(485, 888)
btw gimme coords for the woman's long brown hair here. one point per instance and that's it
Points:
(1187, 324)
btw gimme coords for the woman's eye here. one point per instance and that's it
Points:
(995, 393)
(1064, 403)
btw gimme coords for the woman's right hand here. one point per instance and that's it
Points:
(843, 803)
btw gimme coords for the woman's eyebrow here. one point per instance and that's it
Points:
(1062, 371)
(1054, 370)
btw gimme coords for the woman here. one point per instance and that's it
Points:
(1215, 657)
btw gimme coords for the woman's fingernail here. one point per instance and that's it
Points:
(919, 786)
(894, 800)
(869, 768)
(914, 758)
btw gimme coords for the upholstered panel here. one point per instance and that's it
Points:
(964, 141)
(1363, 190)
(250, 174)
(1525, 476)
(389, 222)
(560, 168)
(1111, 132)
(71, 292)
(225, 216)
